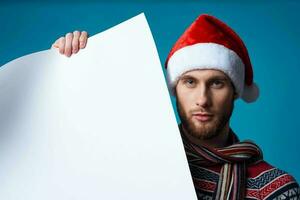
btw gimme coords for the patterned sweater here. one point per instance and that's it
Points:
(263, 182)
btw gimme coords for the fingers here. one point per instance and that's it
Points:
(68, 44)
(83, 39)
(61, 45)
(75, 41)
(55, 44)
(71, 43)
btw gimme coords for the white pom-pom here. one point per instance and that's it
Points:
(250, 93)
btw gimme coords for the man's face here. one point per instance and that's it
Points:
(205, 101)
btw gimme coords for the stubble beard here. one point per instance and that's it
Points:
(207, 130)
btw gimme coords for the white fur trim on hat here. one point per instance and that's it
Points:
(206, 56)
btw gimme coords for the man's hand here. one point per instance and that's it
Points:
(71, 43)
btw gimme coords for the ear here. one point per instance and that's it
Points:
(235, 96)
(174, 89)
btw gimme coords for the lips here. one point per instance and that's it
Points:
(203, 117)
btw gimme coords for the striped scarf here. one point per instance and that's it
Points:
(233, 158)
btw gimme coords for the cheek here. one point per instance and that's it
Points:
(186, 105)
(185, 100)
(223, 101)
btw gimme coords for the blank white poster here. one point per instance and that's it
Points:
(98, 125)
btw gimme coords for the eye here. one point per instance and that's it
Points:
(217, 84)
(189, 82)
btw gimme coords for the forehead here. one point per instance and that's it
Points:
(205, 74)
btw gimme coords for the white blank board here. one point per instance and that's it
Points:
(98, 125)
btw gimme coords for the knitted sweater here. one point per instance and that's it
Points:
(263, 182)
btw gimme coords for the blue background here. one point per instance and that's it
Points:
(270, 30)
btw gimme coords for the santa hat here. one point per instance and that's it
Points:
(210, 44)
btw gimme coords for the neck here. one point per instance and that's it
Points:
(219, 141)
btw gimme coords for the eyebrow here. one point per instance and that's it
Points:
(186, 77)
(219, 78)
(216, 77)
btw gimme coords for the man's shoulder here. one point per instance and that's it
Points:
(272, 182)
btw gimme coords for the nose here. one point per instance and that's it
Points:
(203, 97)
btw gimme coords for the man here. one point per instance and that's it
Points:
(208, 69)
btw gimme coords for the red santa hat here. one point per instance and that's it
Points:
(210, 44)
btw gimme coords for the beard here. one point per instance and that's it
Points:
(208, 129)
